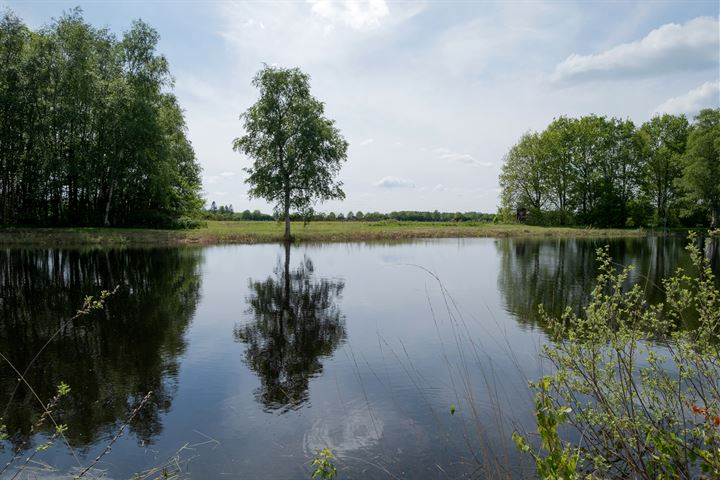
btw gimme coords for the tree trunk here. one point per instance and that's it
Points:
(288, 236)
(106, 222)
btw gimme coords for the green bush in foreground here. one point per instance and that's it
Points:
(639, 383)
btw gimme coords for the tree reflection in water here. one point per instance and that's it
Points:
(110, 358)
(560, 273)
(296, 322)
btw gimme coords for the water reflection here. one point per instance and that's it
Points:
(345, 434)
(296, 322)
(110, 358)
(561, 273)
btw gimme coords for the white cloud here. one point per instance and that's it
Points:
(465, 158)
(357, 14)
(670, 48)
(706, 95)
(211, 179)
(252, 23)
(227, 174)
(394, 182)
(304, 34)
(439, 188)
(367, 141)
(458, 157)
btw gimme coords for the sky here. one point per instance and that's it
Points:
(429, 94)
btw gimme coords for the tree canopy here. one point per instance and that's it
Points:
(90, 132)
(664, 138)
(701, 173)
(296, 151)
(606, 172)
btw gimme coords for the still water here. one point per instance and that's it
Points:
(258, 356)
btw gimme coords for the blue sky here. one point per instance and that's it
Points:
(430, 94)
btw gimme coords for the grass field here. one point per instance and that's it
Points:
(268, 232)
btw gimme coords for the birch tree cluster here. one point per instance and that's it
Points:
(604, 172)
(90, 132)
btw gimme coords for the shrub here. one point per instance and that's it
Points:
(639, 383)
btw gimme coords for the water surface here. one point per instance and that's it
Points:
(258, 355)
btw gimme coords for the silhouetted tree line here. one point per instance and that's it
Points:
(90, 133)
(225, 212)
(607, 172)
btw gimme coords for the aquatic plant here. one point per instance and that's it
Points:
(324, 466)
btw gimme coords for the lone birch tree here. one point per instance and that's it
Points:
(297, 152)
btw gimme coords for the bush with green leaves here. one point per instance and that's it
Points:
(557, 459)
(639, 383)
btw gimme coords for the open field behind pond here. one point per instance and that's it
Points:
(216, 232)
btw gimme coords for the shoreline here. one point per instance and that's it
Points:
(255, 232)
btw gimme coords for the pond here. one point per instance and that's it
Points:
(257, 356)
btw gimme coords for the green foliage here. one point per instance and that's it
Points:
(186, 223)
(90, 133)
(555, 460)
(702, 165)
(523, 177)
(605, 172)
(63, 389)
(91, 303)
(583, 169)
(226, 213)
(664, 139)
(297, 152)
(324, 466)
(641, 388)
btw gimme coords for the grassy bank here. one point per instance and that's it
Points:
(268, 232)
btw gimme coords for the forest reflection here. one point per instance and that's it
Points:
(110, 358)
(296, 322)
(560, 273)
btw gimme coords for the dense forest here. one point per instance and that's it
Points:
(90, 133)
(607, 172)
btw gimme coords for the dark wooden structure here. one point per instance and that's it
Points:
(521, 215)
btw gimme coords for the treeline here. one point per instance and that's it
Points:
(607, 172)
(90, 133)
(226, 212)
